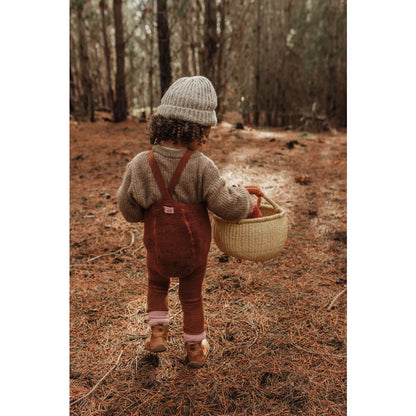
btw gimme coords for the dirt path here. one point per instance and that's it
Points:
(276, 349)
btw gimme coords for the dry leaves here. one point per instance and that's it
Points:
(276, 349)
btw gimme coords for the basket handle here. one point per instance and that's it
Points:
(254, 190)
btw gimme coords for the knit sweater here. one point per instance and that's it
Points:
(199, 182)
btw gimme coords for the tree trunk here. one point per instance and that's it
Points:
(210, 40)
(95, 72)
(184, 50)
(72, 99)
(152, 27)
(331, 93)
(120, 103)
(164, 46)
(220, 55)
(193, 44)
(110, 93)
(193, 56)
(73, 76)
(256, 115)
(87, 102)
(199, 36)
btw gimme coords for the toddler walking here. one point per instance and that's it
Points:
(170, 188)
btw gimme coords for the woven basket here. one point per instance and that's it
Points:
(256, 239)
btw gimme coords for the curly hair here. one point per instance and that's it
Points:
(162, 129)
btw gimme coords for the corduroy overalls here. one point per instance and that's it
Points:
(177, 237)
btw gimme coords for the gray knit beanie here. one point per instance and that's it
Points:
(191, 99)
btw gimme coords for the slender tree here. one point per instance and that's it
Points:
(151, 55)
(164, 46)
(220, 55)
(73, 97)
(193, 45)
(110, 93)
(331, 93)
(210, 40)
(184, 50)
(256, 115)
(120, 103)
(86, 99)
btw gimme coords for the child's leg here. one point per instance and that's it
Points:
(157, 297)
(190, 295)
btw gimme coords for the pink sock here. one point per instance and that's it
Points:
(194, 338)
(158, 317)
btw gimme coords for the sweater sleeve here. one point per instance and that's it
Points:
(128, 206)
(228, 202)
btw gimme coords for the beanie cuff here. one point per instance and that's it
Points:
(203, 117)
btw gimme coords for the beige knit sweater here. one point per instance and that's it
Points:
(200, 182)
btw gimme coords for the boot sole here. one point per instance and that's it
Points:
(195, 364)
(157, 348)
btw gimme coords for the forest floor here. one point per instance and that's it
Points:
(276, 348)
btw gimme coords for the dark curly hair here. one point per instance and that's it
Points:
(162, 129)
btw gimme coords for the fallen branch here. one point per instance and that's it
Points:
(335, 299)
(98, 383)
(114, 252)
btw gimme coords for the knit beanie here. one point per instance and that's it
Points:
(190, 99)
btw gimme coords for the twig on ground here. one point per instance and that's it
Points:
(175, 314)
(89, 265)
(132, 337)
(256, 337)
(98, 383)
(336, 298)
(114, 252)
(128, 407)
(318, 352)
(137, 249)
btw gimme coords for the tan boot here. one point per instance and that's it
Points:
(197, 353)
(158, 341)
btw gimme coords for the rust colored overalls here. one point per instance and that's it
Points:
(177, 237)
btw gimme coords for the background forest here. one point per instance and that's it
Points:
(278, 62)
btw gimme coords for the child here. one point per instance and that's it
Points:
(177, 230)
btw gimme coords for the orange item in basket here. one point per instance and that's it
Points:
(256, 213)
(253, 190)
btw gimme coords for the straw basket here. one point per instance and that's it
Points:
(256, 239)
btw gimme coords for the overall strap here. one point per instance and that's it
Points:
(178, 171)
(167, 192)
(158, 176)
